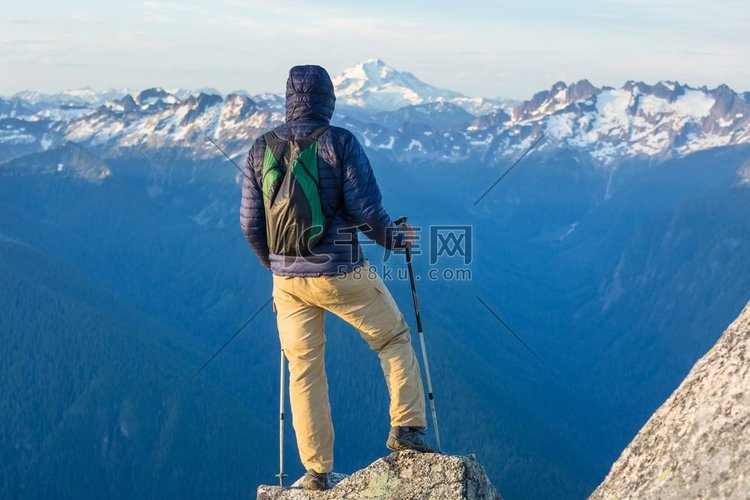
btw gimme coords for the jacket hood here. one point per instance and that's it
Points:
(309, 94)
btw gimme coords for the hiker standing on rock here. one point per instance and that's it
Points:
(310, 189)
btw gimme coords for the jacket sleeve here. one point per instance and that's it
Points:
(252, 212)
(363, 200)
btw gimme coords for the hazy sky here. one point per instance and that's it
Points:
(498, 49)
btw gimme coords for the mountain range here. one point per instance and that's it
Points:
(398, 114)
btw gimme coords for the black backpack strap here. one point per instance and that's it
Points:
(318, 132)
(272, 139)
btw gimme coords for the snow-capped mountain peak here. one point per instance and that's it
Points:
(155, 95)
(661, 120)
(380, 87)
(559, 96)
(372, 70)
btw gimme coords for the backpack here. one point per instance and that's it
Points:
(290, 182)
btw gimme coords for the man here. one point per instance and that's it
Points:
(333, 277)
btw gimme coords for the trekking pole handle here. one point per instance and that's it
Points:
(399, 222)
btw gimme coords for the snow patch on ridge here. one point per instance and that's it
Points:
(612, 107)
(694, 104)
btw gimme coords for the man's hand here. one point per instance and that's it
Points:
(410, 238)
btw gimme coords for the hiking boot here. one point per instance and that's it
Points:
(315, 481)
(407, 438)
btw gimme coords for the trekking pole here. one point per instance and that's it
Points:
(398, 222)
(230, 339)
(282, 386)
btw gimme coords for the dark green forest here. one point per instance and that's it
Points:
(115, 291)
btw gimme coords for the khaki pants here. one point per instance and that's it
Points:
(362, 299)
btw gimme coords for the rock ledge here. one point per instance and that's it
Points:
(697, 444)
(403, 475)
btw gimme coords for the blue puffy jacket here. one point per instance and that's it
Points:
(350, 195)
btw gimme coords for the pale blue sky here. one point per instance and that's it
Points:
(498, 49)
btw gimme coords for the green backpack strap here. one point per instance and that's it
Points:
(273, 170)
(305, 169)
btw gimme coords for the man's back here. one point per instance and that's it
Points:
(349, 193)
